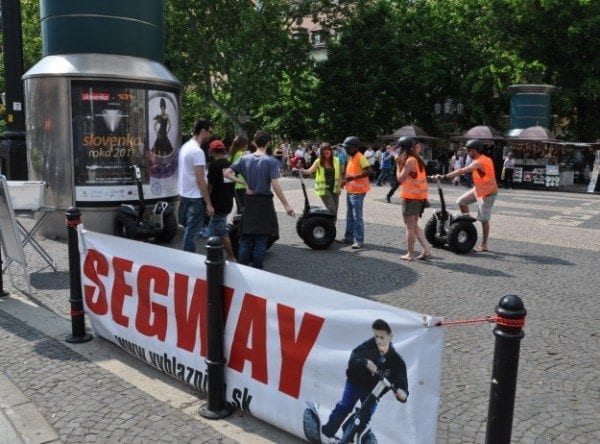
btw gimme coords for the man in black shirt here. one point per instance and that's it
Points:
(375, 355)
(221, 195)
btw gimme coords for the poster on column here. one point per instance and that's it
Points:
(116, 125)
(316, 362)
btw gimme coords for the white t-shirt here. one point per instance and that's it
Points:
(190, 156)
(370, 156)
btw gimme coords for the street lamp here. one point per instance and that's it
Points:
(448, 108)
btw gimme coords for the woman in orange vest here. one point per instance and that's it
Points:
(414, 191)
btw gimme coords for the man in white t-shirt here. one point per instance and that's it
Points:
(192, 186)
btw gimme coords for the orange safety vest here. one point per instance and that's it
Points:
(485, 181)
(415, 188)
(353, 168)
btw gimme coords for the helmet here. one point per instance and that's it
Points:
(474, 144)
(351, 141)
(405, 143)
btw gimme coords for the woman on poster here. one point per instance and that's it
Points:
(162, 126)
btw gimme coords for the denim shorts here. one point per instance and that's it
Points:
(217, 226)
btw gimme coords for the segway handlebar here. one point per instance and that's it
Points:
(400, 394)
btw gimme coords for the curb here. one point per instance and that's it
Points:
(20, 420)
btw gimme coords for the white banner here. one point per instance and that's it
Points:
(287, 343)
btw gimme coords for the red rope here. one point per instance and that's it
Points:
(73, 223)
(499, 320)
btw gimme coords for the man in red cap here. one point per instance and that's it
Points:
(221, 192)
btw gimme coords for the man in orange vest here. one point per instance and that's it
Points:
(357, 184)
(484, 189)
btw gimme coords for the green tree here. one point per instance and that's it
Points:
(233, 55)
(564, 38)
(366, 81)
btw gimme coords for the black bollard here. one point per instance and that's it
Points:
(216, 407)
(78, 335)
(509, 332)
(2, 292)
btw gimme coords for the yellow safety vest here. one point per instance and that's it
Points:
(320, 185)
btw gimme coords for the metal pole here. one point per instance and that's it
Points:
(78, 335)
(509, 332)
(215, 407)
(2, 292)
(13, 148)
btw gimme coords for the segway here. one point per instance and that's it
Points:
(315, 226)
(457, 232)
(233, 229)
(355, 429)
(129, 223)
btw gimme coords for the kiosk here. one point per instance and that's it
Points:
(99, 101)
(542, 161)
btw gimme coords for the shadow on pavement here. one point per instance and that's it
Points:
(51, 280)
(341, 269)
(468, 268)
(530, 258)
(44, 345)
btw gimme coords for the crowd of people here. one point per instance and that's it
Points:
(248, 173)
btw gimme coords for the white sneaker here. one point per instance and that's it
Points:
(357, 246)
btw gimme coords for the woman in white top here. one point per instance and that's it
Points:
(456, 162)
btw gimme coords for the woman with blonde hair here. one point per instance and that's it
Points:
(327, 177)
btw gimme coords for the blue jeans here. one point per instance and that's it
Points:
(191, 216)
(355, 226)
(343, 408)
(252, 249)
(385, 174)
(217, 226)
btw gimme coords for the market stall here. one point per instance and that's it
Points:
(434, 158)
(542, 161)
(493, 142)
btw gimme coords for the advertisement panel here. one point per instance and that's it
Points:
(116, 125)
(297, 355)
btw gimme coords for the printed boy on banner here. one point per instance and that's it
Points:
(374, 368)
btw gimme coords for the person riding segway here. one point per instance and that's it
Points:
(485, 187)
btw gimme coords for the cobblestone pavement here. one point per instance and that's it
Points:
(544, 248)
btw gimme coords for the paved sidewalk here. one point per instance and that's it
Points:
(20, 420)
(544, 248)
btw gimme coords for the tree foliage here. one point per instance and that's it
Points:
(234, 54)
(392, 61)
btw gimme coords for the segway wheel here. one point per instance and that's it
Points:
(318, 232)
(299, 225)
(312, 426)
(169, 231)
(462, 237)
(234, 237)
(273, 237)
(431, 233)
(368, 438)
(124, 226)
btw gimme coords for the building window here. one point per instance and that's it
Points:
(319, 38)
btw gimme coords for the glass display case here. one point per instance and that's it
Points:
(556, 165)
